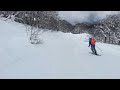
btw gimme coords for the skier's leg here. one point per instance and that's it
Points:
(92, 49)
(95, 51)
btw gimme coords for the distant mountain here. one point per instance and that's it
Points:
(106, 30)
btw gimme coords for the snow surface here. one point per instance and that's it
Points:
(60, 56)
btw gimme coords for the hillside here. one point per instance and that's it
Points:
(61, 55)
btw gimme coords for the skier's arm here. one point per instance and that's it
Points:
(89, 43)
(95, 41)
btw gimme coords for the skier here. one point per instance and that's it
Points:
(92, 44)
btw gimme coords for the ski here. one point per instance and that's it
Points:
(98, 54)
(95, 54)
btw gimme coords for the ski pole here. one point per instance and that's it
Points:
(98, 47)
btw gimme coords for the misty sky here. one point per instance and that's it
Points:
(84, 16)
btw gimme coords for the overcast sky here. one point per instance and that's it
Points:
(84, 16)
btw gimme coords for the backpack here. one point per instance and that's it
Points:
(92, 41)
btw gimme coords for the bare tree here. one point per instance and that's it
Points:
(33, 21)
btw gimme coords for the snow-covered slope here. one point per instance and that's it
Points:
(61, 55)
